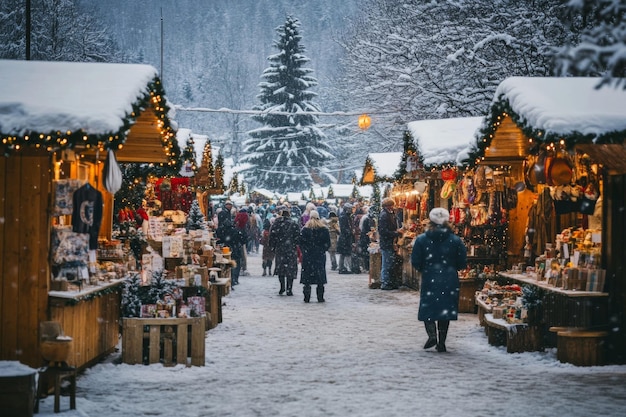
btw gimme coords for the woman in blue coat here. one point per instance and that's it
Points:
(314, 242)
(438, 254)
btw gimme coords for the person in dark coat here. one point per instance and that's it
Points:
(224, 216)
(366, 225)
(314, 242)
(333, 228)
(235, 239)
(388, 232)
(438, 254)
(238, 246)
(355, 261)
(283, 240)
(267, 253)
(346, 239)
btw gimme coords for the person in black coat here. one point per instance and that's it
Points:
(438, 254)
(388, 233)
(314, 242)
(346, 239)
(283, 240)
(366, 225)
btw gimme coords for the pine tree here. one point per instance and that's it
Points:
(131, 301)
(195, 221)
(160, 287)
(355, 194)
(234, 184)
(409, 150)
(219, 172)
(189, 154)
(288, 148)
(331, 192)
(600, 51)
(205, 176)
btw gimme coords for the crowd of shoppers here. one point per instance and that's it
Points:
(289, 236)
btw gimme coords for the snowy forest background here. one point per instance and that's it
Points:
(398, 60)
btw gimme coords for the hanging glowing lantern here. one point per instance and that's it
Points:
(364, 122)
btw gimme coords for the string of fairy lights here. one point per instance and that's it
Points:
(81, 139)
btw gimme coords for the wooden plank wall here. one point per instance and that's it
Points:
(24, 271)
(93, 324)
(614, 253)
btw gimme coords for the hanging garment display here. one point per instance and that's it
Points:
(63, 194)
(112, 173)
(87, 213)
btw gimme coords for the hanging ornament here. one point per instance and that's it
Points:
(112, 173)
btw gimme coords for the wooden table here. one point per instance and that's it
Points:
(91, 317)
(567, 308)
(517, 337)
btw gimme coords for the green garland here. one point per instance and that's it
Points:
(502, 108)
(92, 295)
(57, 140)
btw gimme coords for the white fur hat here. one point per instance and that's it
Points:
(439, 215)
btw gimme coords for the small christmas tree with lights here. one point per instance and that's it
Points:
(411, 158)
(196, 220)
(331, 192)
(189, 155)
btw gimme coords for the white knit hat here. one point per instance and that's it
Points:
(439, 215)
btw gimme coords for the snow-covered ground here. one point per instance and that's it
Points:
(358, 354)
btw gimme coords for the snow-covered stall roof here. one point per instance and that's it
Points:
(199, 140)
(68, 104)
(551, 109)
(444, 141)
(380, 166)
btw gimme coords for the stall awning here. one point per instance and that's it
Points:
(612, 156)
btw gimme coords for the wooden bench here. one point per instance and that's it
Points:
(169, 341)
(516, 337)
(580, 347)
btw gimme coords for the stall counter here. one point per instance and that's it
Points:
(91, 317)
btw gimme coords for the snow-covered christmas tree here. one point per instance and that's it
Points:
(196, 220)
(289, 147)
(412, 159)
(189, 155)
(131, 301)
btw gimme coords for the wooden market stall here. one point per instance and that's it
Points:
(443, 144)
(58, 122)
(378, 171)
(564, 141)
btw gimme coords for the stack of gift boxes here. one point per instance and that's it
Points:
(505, 301)
(572, 263)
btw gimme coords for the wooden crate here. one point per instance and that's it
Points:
(169, 341)
(17, 394)
(516, 337)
